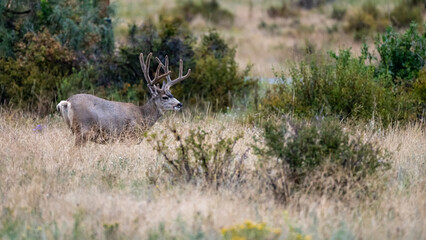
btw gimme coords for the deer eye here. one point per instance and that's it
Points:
(165, 97)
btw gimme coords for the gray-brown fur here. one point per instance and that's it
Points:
(96, 119)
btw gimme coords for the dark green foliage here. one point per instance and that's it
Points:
(296, 150)
(419, 86)
(171, 38)
(345, 87)
(342, 86)
(200, 159)
(214, 78)
(30, 81)
(402, 55)
(217, 79)
(44, 45)
(76, 24)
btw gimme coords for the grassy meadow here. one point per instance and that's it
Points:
(131, 189)
(50, 189)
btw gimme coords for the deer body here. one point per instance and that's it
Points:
(93, 118)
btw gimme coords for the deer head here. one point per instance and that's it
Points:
(162, 96)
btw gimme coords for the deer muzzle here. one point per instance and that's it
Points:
(178, 107)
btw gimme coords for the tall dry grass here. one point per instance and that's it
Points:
(49, 188)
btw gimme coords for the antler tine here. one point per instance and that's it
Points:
(180, 77)
(165, 69)
(157, 72)
(171, 82)
(157, 77)
(144, 68)
(180, 67)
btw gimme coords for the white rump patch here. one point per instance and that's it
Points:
(64, 107)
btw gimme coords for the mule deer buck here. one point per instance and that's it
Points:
(96, 119)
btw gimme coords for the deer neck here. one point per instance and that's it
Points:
(150, 113)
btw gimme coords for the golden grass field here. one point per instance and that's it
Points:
(49, 187)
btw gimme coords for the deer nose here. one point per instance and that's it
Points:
(179, 105)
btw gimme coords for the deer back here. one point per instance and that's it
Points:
(87, 112)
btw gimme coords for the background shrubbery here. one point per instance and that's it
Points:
(210, 11)
(366, 20)
(355, 87)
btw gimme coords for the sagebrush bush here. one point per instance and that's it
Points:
(294, 152)
(200, 158)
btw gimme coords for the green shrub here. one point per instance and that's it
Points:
(200, 158)
(402, 55)
(366, 20)
(77, 82)
(77, 25)
(294, 151)
(403, 14)
(48, 49)
(216, 80)
(30, 81)
(342, 86)
(419, 86)
(345, 87)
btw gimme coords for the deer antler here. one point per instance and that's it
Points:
(145, 69)
(171, 82)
